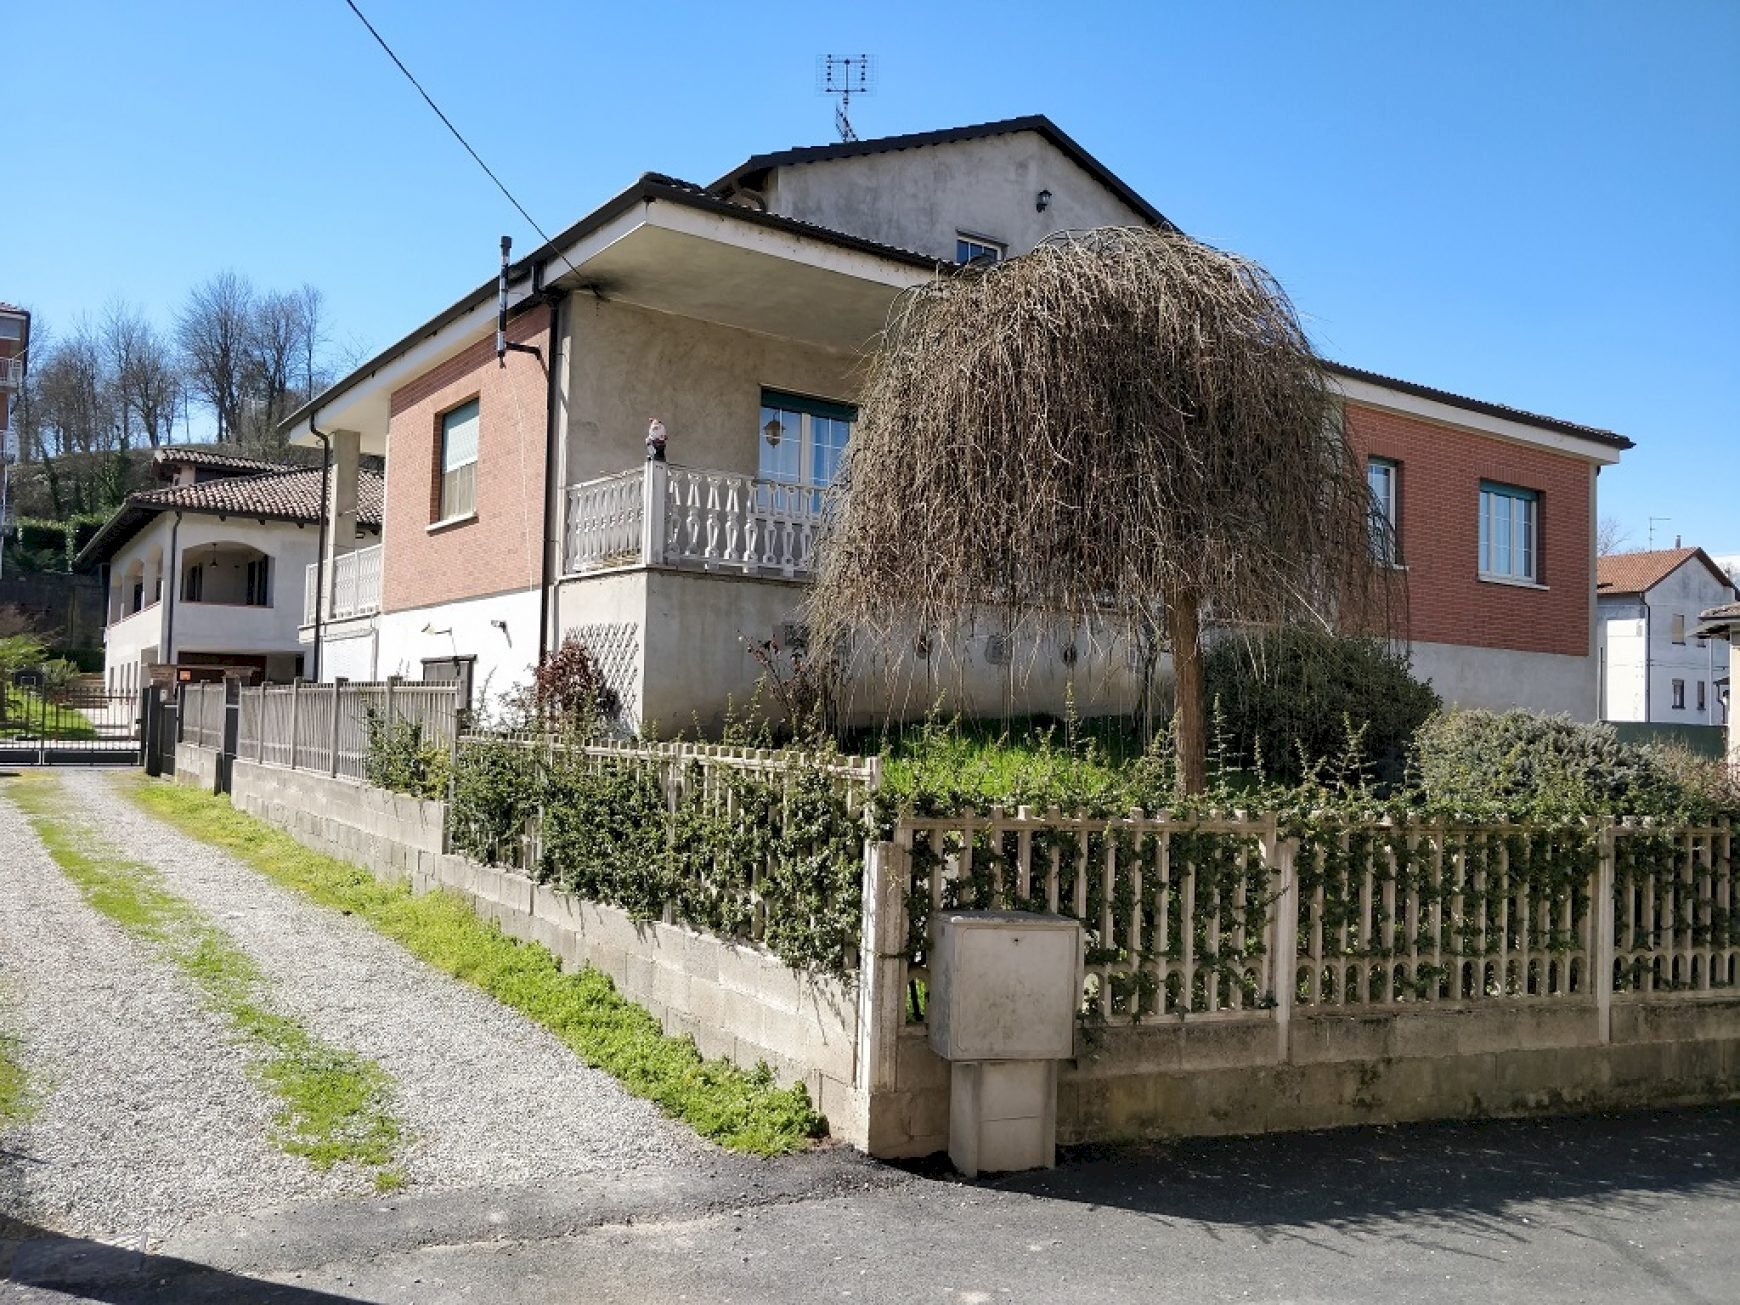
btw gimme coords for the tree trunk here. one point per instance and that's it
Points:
(1184, 625)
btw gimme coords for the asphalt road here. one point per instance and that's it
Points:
(1638, 1208)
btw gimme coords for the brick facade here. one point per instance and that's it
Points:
(500, 548)
(1438, 510)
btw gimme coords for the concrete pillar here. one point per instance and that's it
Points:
(341, 493)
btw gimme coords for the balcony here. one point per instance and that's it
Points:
(659, 514)
(355, 586)
(11, 374)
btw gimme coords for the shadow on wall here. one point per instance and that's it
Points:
(76, 1266)
(1356, 1180)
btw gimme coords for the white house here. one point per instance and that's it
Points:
(1723, 623)
(1656, 664)
(521, 508)
(206, 575)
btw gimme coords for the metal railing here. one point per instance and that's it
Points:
(327, 727)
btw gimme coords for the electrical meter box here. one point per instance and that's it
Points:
(1004, 985)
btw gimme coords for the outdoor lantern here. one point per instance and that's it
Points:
(775, 431)
(1042, 201)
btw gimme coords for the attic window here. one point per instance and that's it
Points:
(976, 249)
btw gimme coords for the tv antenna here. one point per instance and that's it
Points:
(1652, 522)
(845, 75)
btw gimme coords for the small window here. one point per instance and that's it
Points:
(1703, 704)
(973, 249)
(11, 328)
(457, 492)
(259, 592)
(1509, 532)
(1381, 477)
(1679, 626)
(1679, 688)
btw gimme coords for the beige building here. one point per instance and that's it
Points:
(522, 506)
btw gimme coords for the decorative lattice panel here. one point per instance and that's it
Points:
(616, 648)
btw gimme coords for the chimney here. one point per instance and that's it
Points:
(1676, 541)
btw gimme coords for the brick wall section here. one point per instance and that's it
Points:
(501, 549)
(1439, 511)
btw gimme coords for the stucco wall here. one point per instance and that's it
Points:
(919, 198)
(504, 656)
(1499, 679)
(703, 381)
(1642, 661)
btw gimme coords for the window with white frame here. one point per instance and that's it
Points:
(1679, 691)
(456, 490)
(1509, 533)
(803, 440)
(976, 249)
(1382, 477)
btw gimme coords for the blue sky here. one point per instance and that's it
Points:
(1533, 202)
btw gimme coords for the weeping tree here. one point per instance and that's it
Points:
(1122, 430)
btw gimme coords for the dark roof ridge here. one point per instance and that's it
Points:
(1488, 408)
(1034, 122)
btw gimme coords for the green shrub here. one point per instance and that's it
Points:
(402, 760)
(1526, 764)
(1291, 699)
(497, 788)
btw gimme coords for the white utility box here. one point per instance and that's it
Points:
(1005, 987)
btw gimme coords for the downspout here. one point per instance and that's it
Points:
(174, 580)
(552, 492)
(320, 544)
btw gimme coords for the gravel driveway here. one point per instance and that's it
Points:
(152, 1114)
(144, 1114)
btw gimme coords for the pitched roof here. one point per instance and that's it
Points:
(1723, 621)
(1595, 433)
(1037, 123)
(290, 495)
(209, 455)
(1636, 573)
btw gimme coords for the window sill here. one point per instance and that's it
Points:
(447, 523)
(1513, 581)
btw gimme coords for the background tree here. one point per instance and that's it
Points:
(215, 331)
(1611, 536)
(145, 376)
(1121, 426)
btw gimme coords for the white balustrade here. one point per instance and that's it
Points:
(665, 515)
(356, 586)
(604, 522)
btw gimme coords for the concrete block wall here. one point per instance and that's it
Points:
(1221, 1075)
(196, 766)
(738, 1002)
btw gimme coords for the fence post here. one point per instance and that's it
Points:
(260, 726)
(392, 683)
(1601, 908)
(295, 702)
(332, 737)
(1281, 856)
(653, 482)
(180, 710)
(881, 975)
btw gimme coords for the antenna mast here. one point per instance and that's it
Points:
(845, 75)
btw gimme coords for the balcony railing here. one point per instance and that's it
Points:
(355, 586)
(11, 374)
(664, 515)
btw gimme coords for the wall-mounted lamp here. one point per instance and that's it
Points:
(773, 432)
(1042, 201)
(430, 629)
(501, 625)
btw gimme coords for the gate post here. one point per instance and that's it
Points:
(232, 732)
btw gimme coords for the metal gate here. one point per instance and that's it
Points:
(75, 727)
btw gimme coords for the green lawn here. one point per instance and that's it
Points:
(26, 717)
(742, 1110)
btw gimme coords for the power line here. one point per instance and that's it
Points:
(448, 123)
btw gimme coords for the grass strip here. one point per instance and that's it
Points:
(335, 1106)
(27, 715)
(14, 1090)
(742, 1110)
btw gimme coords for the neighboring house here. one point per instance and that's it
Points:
(1723, 623)
(1655, 664)
(14, 359)
(207, 574)
(520, 506)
